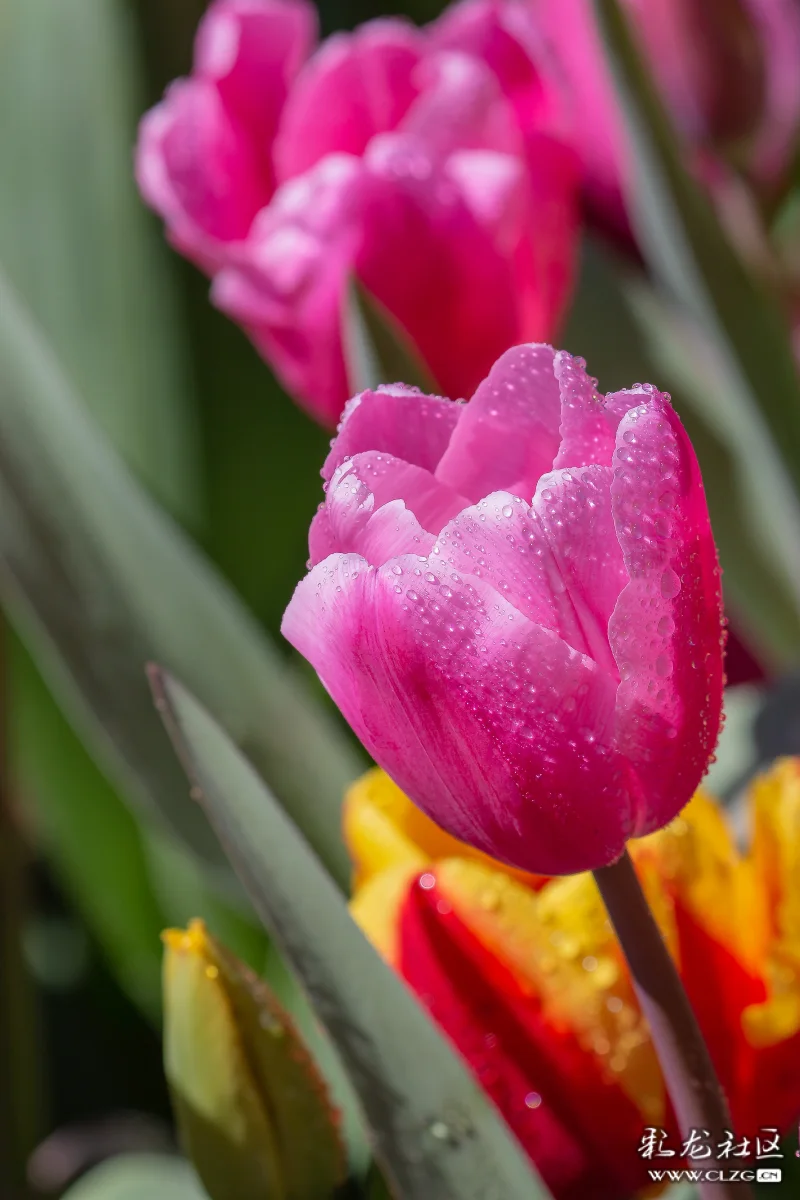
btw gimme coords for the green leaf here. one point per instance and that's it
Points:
(253, 1111)
(179, 883)
(76, 240)
(99, 581)
(434, 1131)
(139, 1177)
(688, 251)
(88, 835)
(377, 350)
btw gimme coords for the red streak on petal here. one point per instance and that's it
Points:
(584, 1133)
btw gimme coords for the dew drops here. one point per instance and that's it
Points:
(427, 881)
(663, 666)
(533, 1100)
(670, 584)
(507, 510)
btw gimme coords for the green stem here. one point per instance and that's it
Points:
(691, 1080)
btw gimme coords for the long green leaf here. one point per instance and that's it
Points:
(88, 835)
(435, 1133)
(76, 240)
(100, 582)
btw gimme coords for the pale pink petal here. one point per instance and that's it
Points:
(666, 629)
(356, 86)
(350, 521)
(469, 706)
(387, 478)
(495, 187)
(499, 540)
(252, 50)
(198, 170)
(508, 436)
(588, 432)
(574, 517)
(395, 420)
(558, 561)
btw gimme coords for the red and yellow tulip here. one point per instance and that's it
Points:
(527, 979)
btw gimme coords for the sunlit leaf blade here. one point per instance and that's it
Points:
(435, 1133)
(377, 350)
(254, 1113)
(689, 252)
(100, 581)
(139, 1177)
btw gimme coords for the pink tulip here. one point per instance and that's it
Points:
(729, 71)
(417, 161)
(204, 155)
(544, 679)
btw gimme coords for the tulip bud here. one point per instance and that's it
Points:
(252, 1108)
(710, 58)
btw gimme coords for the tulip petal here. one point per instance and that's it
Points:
(667, 625)
(492, 724)
(497, 35)
(558, 562)
(356, 86)
(286, 284)
(252, 50)
(433, 265)
(187, 145)
(433, 503)
(508, 435)
(548, 1089)
(396, 420)
(576, 521)
(587, 431)
(383, 829)
(461, 107)
(353, 520)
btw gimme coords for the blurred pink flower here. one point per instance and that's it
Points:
(416, 160)
(544, 679)
(204, 155)
(729, 70)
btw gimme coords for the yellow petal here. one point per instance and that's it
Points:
(376, 905)
(695, 860)
(383, 828)
(775, 859)
(559, 945)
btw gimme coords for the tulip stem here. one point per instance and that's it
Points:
(691, 1080)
